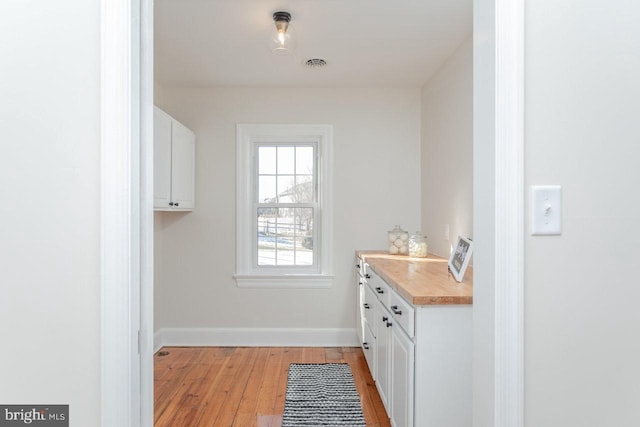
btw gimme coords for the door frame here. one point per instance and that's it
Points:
(126, 139)
(127, 213)
(498, 220)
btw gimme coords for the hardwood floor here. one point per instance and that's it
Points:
(244, 386)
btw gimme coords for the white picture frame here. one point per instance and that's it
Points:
(460, 256)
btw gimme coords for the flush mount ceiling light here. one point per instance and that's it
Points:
(282, 42)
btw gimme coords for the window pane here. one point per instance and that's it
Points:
(285, 189)
(266, 236)
(304, 236)
(266, 160)
(304, 160)
(286, 160)
(304, 191)
(266, 189)
(285, 233)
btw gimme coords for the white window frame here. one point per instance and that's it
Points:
(248, 274)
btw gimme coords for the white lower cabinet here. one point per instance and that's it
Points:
(360, 310)
(364, 311)
(370, 306)
(369, 348)
(418, 355)
(383, 355)
(402, 374)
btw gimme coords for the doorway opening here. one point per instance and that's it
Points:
(498, 133)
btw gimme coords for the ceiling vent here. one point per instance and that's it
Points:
(315, 63)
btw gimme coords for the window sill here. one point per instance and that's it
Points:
(284, 281)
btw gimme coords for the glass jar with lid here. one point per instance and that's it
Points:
(398, 241)
(418, 245)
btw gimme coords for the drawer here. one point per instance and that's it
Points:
(380, 287)
(403, 313)
(359, 266)
(365, 270)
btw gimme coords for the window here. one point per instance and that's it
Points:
(284, 207)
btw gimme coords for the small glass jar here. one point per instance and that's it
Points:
(418, 245)
(398, 241)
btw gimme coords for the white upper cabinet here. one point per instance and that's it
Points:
(161, 158)
(174, 164)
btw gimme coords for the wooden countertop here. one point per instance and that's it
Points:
(421, 281)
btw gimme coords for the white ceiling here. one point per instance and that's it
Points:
(366, 43)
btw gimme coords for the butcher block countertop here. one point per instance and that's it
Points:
(421, 281)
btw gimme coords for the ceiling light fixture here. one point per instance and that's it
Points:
(282, 42)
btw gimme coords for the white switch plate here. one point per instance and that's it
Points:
(546, 210)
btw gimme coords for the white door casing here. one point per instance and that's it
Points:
(126, 74)
(498, 217)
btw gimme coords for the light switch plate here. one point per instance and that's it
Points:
(546, 210)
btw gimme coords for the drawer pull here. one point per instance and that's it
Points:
(367, 306)
(365, 345)
(389, 324)
(379, 290)
(395, 310)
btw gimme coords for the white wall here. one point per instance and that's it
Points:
(49, 175)
(158, 266)
(582, 322)
(447, 152)
(376, 169)
(158, 223)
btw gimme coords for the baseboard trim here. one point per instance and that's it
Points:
(158, 342)
(256, 337)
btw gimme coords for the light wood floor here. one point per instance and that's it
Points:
(244, 386)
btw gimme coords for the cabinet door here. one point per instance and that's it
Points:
(402, 370)
(161, 159)
(183, 144)
(370, 306)
(360, 308)
(369, 349)
(383, 356)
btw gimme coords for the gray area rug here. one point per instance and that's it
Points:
(321, 394)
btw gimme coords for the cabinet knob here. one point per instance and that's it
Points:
(395, 310)
(357, 265)
(379, 290)
(385, 318)
(389, 324)
(367, 306)
(366, 276)
(365, 345)
(170, 203)
(176, 204)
